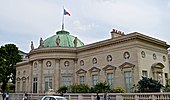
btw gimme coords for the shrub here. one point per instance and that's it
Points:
(167, 86)
(119, 90)
(79, 88)
(100, 88)
(63, 89)
(149, 85)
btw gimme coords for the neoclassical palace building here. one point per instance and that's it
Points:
(62, 60)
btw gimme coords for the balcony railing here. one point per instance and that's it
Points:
(92, 96)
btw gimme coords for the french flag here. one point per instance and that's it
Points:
(66, 12)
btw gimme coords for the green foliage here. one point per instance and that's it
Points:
(63, 89)
(119, 90)
(149, 85)
(167, 86)
(100, 88)
(9, 56)
(135, 88)
(79, 88)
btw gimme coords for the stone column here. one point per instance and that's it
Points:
(40, 76)
(30, 77)
(75, 69)
(57, 74)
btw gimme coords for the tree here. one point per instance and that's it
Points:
(9, 56)
(149, 85)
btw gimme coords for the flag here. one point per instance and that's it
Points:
(66, 12)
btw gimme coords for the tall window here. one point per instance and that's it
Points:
(95, 79)
(18, 86)
(67, 80)
(110, 79)
(35, 85)
(24, 86)
(144, 73)
(81, 79)
(128, 80)
(48, 83)
(159, 76)
(166, 78)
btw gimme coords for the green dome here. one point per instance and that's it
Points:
(65, 39)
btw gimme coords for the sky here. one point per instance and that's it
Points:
(23, 21)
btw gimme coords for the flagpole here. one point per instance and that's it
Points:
(63, 20)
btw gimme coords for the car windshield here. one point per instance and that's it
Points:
(61, 99)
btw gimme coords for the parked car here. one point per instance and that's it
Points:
(53, 98)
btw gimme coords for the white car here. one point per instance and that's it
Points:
(53, 98)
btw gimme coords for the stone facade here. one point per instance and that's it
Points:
(120, 61)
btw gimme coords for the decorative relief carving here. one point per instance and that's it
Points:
(18, 72)
(67, 71)
(75, 42)
(109, 58)
(41, 43)
(94, 61)
(24, 72)
(154, 56)
(126, 55)
(143, 54)
(66, 63)
(35, 65)
(32, 45)
(58, 41)
(81, 63)
(48, 63)
(164, 58)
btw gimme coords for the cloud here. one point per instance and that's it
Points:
(82, 27)
(91, 20)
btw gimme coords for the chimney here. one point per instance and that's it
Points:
(116, 33)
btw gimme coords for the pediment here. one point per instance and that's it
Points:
(126, 65)
(81, 71)
(94, 69)
(157, 65)
(18, 79)
(23, 78)
(109, 67)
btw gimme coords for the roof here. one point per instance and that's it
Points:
(63, 39)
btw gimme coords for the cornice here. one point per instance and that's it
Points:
(125, 38)
(113, 41)
(52, 49)
(22, 63)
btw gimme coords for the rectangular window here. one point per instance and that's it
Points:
(95, 79)
(159, 76)
(18, 86)
(24, 86)
(110, 79)
(48, 83)
(128, 80)
(35, 85)
(81, 79)
(144, 73)
(166, 78)
(67, 80)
